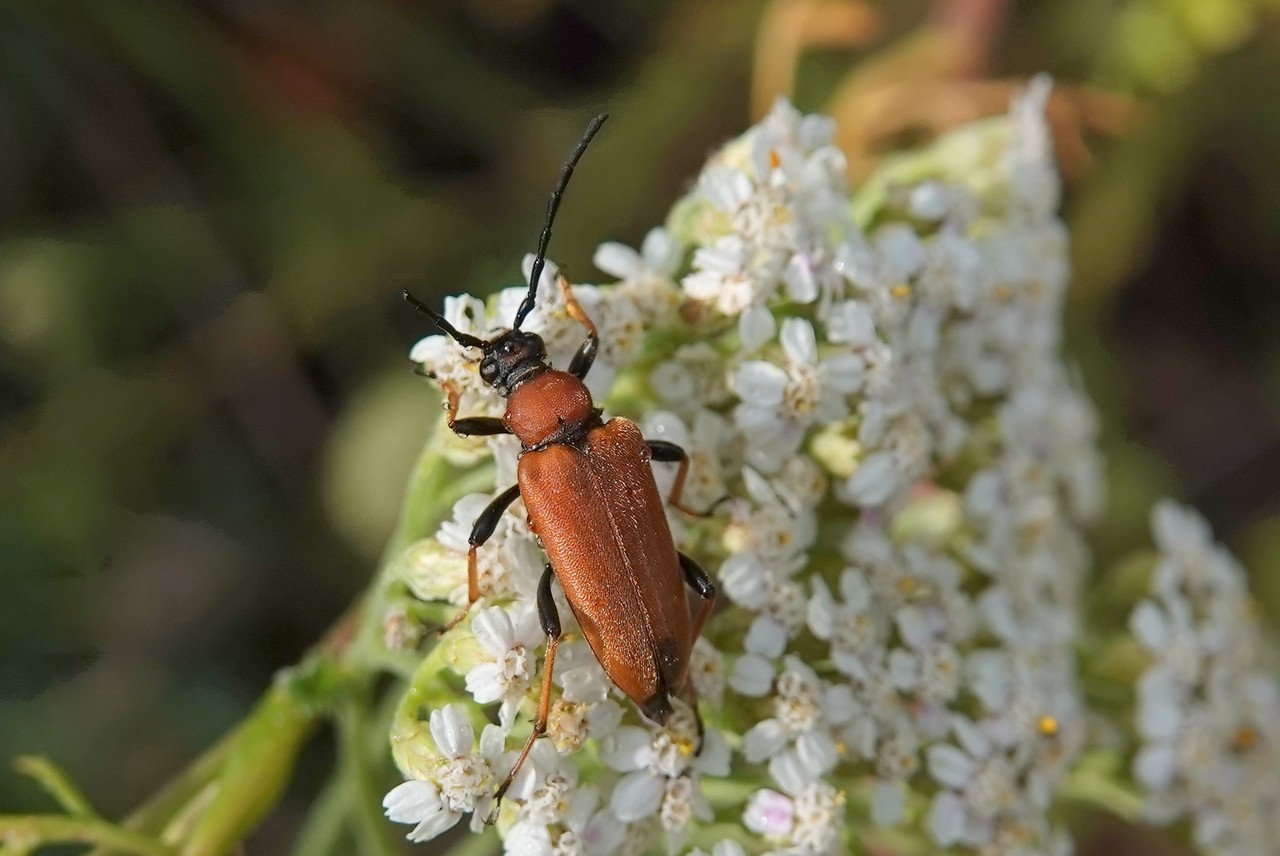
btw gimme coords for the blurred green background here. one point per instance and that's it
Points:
(207, 211)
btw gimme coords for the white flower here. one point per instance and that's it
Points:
(509, 640)
(779, 403)
(462, 780)
(797, 740)
(651, 758)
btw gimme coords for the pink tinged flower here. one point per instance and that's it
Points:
(769, 813)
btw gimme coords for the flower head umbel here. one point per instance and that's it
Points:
(901, 469)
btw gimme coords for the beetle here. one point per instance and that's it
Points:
(593, 503)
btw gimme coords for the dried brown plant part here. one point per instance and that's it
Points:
(877, 114)
(790, 28)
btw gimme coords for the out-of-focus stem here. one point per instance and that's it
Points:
(56, 783)
(256, 770)
(23, 832)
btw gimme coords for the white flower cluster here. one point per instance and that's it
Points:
(877, 386)
(1208, 707)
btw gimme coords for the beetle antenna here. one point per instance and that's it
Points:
(462, 338)
(553, 204)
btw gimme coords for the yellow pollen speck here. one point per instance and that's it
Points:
(774, 160)
(901, 290)
(684, 746)
(1048, 725)
(1245, 737)
(908, 585)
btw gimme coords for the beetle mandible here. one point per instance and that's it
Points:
(592, 502)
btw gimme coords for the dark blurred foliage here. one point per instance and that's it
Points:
(207, 211)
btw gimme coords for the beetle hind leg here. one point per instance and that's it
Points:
(549, 617)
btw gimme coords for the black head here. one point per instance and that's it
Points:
(515, 356)
(511, 359)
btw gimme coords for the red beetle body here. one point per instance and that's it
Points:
(593, 503)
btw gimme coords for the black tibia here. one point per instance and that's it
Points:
(697, 578)
(548, 615)
(664, 452)
(488, 519)
(479, 426)
(581, 362)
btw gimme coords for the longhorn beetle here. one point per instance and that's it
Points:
(593, 504)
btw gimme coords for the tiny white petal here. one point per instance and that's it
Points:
(755, 327)
(411, 801)
(763, 740)
(433, 825)
(752, 676)
(617, 259)
(949, 765)
(452, 731)
(798, 341)
(766, 637)
(947, 819)
(637, 796)
(887, 804)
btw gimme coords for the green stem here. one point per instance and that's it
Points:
(56, 783)
(24, 832)
(257, 768)
(325, 821)
(359, 778)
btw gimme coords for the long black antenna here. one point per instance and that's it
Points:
(463, 338)
(553, 204)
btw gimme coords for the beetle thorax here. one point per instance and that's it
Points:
(550, 407)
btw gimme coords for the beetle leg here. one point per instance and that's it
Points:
(481, 532)
(549, 616)
(581, 363)
(469, 426)
(701, 583)
(669, 453)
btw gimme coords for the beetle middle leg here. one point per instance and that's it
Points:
(581, 363)
(481, 531)
(549, 617)
(670, 453)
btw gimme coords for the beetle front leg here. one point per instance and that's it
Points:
(670, 453)
(469, 426)
(549, 617)
(481, 531)
(581, 363)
